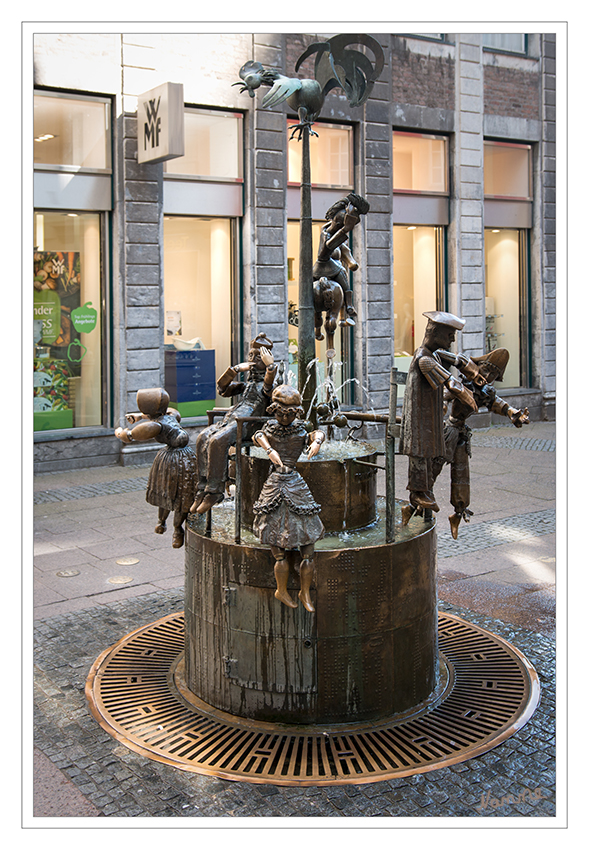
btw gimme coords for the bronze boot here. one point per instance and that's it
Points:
(281, 575)
(350, 310)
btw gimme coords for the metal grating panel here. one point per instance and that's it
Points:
(135, 692)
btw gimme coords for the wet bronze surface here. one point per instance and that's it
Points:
(370, 649)
(346, 489)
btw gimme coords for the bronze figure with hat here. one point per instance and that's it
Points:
(213, 443)
(488, 368)
(422, 423)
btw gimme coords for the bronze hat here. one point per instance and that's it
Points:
(153, 402)
(441, 318)
(262, 341)
(499, 358)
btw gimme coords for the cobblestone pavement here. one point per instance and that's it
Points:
(499, 574)
(121, 783)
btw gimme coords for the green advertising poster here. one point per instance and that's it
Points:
(47, 308)
(59, 319)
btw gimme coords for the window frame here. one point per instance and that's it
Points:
(204, 178)
(528, 147)
(424, 192)
(524, 301)
(106, 326)
(439, 39)
(290, 122)
(40, 166)
(504, 50)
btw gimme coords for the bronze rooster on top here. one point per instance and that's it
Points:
(335, 65)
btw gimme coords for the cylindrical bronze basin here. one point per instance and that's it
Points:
(344, 486)
(369, 651)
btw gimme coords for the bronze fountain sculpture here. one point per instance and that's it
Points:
(339, 688)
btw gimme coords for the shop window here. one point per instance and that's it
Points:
(330, 153)
(71, 131)
(431, 36)
(420, 163)
(213, 146)
(505, 301)
(510, 42)
(67, 321)
(507, 171)
(418, 286)
(198, 263)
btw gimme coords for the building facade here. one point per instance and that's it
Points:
(160, 273)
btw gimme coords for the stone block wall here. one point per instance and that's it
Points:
(455, 88)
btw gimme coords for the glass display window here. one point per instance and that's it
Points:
(70, 131)
(420, 163)
(510, 42)
(198, 294)
(418, 286)
(67, 321)
(508, 171)
(330, 153)
(213, 146)
(505, 301)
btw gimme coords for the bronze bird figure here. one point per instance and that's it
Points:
(335, 66)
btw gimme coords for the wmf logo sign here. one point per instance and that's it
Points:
(153, 124)
(160, 123)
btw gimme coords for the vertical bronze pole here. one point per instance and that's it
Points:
(390, 460)
(306, 353)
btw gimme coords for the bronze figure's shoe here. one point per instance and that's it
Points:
(178, 538)
(454, 523)
(160, 528)
(422, 499)
(198, 499)
(210, 499)
(348, 322)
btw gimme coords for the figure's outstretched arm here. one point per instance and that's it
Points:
(145, 430)
(518, 416)
(227, 386)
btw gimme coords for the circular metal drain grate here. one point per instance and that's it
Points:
(135, 691)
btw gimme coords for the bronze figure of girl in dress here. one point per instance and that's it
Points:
(286, 516)
(172, 478)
